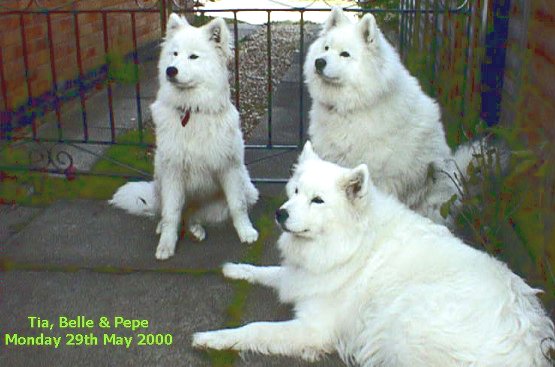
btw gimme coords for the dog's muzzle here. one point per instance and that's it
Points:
(320, 64)
(281, 216)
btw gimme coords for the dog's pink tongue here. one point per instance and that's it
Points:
(186, 118)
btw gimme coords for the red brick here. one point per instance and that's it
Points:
(40, 87)
(12, 68)
(11, 53)
(10, 37)
(10, 22)
(36, 45)
(90, 52)
(17, 96)
(541, 76)
(63, 39)
(62, 24)
(35, 31)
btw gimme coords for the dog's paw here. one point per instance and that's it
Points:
(219, 340)
(166, 247)
(247, 234)
(237, 271)
(164, 252)
(197, 231)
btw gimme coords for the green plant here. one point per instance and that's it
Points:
(510, 211)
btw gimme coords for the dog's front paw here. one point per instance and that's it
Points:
(237, 271)
(197, 231)
(166, 246)
(247, 234)
(219, 340)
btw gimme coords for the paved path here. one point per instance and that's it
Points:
(261, 17)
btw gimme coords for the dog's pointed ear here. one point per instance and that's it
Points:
(336, 18)
(355, 183)
(218, 32)
(307, 153)
(175, 22)
(367, 28)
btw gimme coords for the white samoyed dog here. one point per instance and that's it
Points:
(367, 108)
(199, 144)
(383, 285)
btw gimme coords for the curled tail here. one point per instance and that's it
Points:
(484, 154)
(137, 198)
(457, 176)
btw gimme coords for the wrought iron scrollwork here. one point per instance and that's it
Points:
(50, 158)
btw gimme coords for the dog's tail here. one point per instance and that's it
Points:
(137, 198)
(465, 154)
(483, 153)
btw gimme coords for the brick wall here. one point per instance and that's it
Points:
(529, 84)
(64, 45)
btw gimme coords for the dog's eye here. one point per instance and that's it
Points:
(326, 48)
(344, 54)
(193, 57)
(175, 53)
(317, 200)
(296, 190)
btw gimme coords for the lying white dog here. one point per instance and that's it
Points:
(384, 286)
(199, 145)
(367, 108)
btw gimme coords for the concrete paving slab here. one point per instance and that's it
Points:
(91, 234)
(173, 304)
(13, 218)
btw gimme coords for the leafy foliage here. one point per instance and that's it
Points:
(510, 211)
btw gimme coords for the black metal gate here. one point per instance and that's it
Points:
(439, 41)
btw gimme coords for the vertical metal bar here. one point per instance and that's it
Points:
(434, 46)
(237, 85)
(301, 86)
(402, 29)
(269, 52)
(467, 58)
(417, 31)
(27, 79)
(427, 42)
(163, 16)
(5, 118)
(138, 82)
(110, 98)
(80, 67)
(410, 27)
(54, 76)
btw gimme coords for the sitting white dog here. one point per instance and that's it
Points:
(199, 144)
(384, 286)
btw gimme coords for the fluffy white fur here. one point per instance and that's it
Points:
(367, 108)
(384, 286)
(197, 161)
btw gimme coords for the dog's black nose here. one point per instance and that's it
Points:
(171, 71)
(320, 64)
(281, 216)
